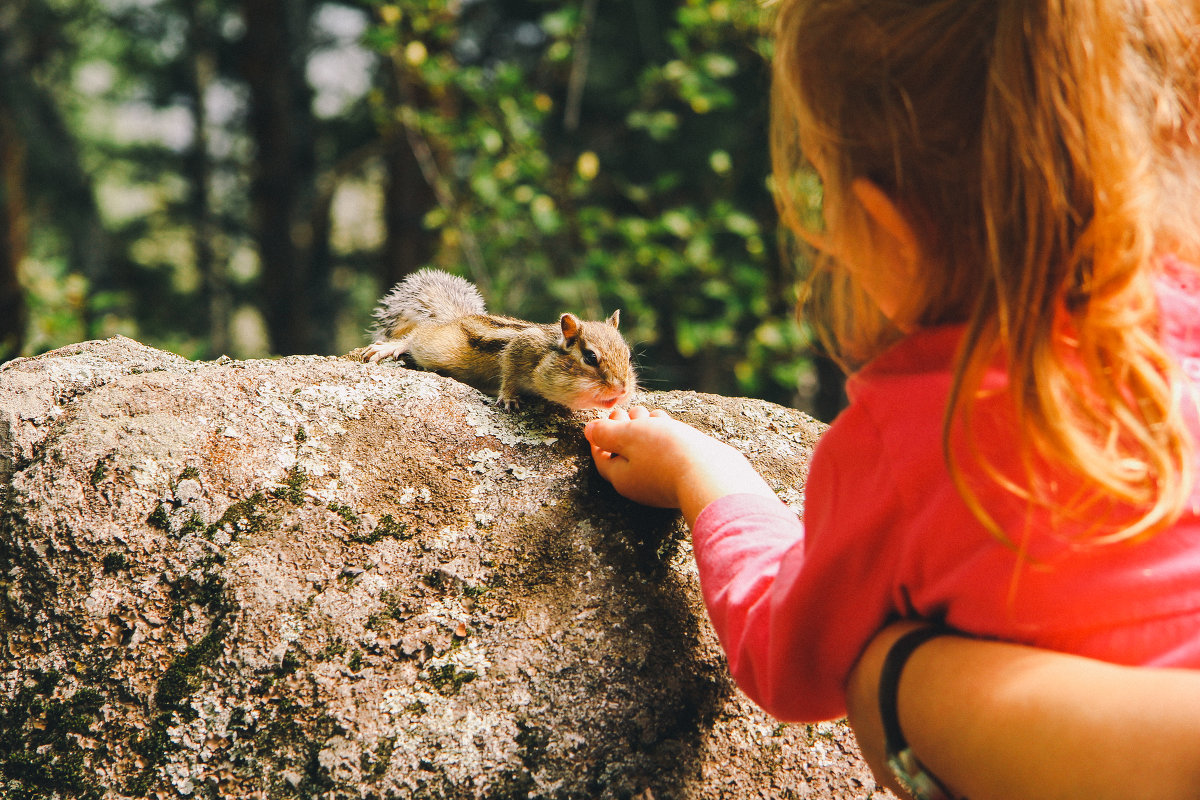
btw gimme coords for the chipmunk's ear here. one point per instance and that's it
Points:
(570, 328)
(615, 319)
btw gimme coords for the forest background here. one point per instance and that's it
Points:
(246, 177)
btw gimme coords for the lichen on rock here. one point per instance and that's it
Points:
(312, 577)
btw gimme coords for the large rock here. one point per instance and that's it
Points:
(313, 577)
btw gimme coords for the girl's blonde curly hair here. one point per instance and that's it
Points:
(1047, 154)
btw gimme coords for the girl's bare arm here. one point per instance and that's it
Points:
(996, 720)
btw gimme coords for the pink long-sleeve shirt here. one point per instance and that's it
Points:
(886, 534)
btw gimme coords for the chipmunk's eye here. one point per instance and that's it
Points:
(590, 358)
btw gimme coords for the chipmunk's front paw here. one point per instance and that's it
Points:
(508, 403)
(384, 350)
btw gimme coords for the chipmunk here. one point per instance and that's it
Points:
(438, 321)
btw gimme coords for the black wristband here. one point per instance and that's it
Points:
(889, 682)
(904, 764)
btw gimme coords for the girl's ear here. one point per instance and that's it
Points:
(889, 219)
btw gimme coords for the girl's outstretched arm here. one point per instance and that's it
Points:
(654, 459)
(997, 720)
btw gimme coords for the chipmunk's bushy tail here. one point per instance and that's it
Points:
(428, 295)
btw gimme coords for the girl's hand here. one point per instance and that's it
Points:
(656, 460)
(644, 454)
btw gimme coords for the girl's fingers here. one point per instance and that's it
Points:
(601, 434)
(618, 414)
(606, 435)
(621, 436)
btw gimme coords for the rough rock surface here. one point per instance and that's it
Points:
(317, 578)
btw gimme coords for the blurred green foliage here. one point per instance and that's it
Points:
(644, 189)
(581, 155)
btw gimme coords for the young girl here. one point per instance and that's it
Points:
(1012, 211)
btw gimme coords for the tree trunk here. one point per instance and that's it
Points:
(408, 197)
(202, 69)
(284, 184)
(13, 313)
(13, 224)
